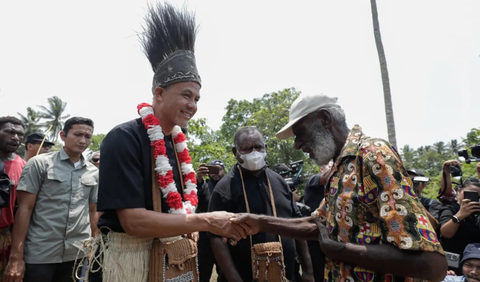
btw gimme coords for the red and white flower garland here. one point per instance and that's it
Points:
(163, 168)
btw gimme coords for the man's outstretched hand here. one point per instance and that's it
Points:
(224, 224)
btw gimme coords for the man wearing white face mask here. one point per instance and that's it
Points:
(247, 188)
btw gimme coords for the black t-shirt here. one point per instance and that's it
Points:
(125, 180)
(468, 232)
(204, 192)
(432, 206)
(313, 193)
(228, 196)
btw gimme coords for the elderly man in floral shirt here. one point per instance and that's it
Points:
(371, 226)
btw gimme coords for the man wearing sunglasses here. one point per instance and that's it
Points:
(33, 142)
(420, 182)
(95, 159)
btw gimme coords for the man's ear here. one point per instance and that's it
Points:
(63, 135)
(325, 118)
(234, 151)
(158, 94)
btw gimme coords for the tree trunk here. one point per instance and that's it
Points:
(385, 80)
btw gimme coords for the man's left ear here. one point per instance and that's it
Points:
(62, 135)
(234, 151)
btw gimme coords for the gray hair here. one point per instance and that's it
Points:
(243, 130)
(337, 113)
(91, 156)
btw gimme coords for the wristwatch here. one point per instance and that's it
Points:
(455, 219)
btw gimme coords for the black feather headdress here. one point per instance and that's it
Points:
(168, 40)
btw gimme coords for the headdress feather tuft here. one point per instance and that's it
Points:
(166, 30)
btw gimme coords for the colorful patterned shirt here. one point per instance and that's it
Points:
(370, 200)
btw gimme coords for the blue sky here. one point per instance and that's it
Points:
(88, 54)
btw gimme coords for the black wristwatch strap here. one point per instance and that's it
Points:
(455, 219)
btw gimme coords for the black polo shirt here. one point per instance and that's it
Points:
(204, 192)
(228, 196)
(125, 180)
(313, 193)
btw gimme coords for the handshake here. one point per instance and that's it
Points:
(233, 227)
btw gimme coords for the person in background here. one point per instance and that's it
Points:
(33, 142)
(470, 265)
(459, 222)
(206, 259)
(11, 136)
(57, 203)
(431, 205)
(95, 159)
(313, 195)
(252, 187)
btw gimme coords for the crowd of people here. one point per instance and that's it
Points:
(145, 214)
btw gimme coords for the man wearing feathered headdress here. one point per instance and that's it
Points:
(148, 188)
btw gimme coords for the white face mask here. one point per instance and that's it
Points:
(253, 161)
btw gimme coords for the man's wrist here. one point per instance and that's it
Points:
(18, 255)
(331, 248)
(201, 221)
(262, 222)
(460, 217)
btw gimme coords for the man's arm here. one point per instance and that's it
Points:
(224, 259)
(145, 223)
(384, 258)
(16, 265)
(432, 220)
(387, 258)
(26, 203)
(92, 210)
(446, 180)
(121, 188)
(305, 260)
(28, 186)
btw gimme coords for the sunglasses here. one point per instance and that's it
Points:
(44, 145)
(95, 160)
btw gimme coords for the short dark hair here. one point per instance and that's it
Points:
(76, 120)
(12, 120)
(278, 168)
(471, 181)
(243, 130)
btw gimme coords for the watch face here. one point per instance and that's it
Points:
(455, 219)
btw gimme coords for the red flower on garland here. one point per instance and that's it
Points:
(174, 200)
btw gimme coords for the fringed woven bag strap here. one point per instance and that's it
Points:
(272, 201)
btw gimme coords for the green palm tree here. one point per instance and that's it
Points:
(53, 114)
(385, 79)
(31, 121)
(440, 147)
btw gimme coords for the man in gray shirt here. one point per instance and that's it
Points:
(57, 203)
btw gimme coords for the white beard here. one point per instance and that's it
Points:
(323, 146)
